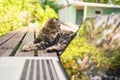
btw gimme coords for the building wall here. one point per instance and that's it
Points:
(68, 14)
(111, 10)
(91, 11)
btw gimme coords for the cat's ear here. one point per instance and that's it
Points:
(58, 24)
(53, 20)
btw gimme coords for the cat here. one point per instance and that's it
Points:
(53, 36)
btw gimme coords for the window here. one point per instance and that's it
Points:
(97, 12)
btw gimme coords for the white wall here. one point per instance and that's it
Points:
(68, 14)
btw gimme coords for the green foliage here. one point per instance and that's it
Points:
(108, 57)
(104, 1)
(51, 3)
(81, 45)
(8, 15)
(90, 0)
(48, 13)
(18, 13)
(76, 50)
(117, 2)
(99, 1)
(114, 57)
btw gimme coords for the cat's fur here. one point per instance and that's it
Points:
(51, 37)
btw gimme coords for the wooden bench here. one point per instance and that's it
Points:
(33, 65)
(11, 43)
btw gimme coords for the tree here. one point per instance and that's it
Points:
(51, 3)
(18, 13)
(117, 2)
(104, 1)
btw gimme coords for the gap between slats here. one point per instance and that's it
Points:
(40, 69)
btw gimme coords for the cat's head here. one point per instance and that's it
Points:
(53, 23)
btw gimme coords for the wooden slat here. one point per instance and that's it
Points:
(8, 36)
(46, 54)
(5, 52)
(7, 48)
(28, 38)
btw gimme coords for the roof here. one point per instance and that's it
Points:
(96, 5)
(78, 3)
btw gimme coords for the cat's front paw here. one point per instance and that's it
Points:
(29, 47)
(26, 48)
(51, 49)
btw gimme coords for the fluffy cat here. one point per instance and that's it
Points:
(53, 36)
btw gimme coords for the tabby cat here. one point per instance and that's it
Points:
(53, 36)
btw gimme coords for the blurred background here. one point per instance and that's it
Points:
(86, 58)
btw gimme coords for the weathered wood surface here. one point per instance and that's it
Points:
(8, 36)
(47, 66)
(44, 67)
(11, 43)
(8, 48)
(46, 54)
(29, 37)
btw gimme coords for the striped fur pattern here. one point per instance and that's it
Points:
(52, 37)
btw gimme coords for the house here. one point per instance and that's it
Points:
(78, 11)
